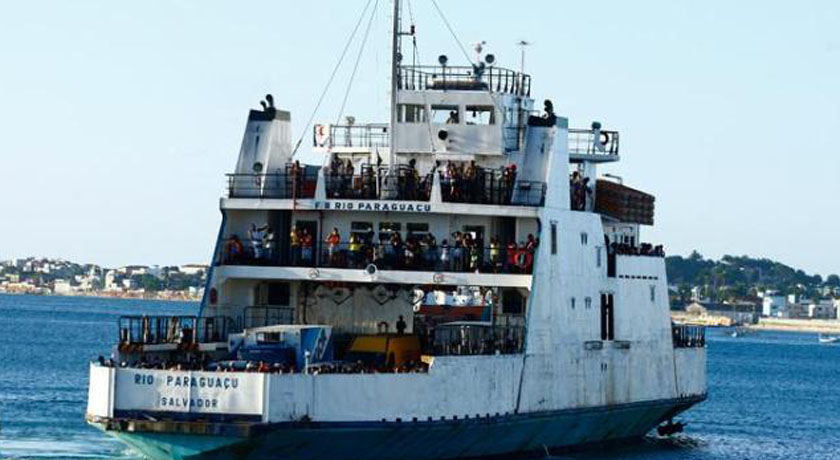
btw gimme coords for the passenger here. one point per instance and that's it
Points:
(296, 175)
(270, 244)
(586, 194)
(412, 178)
(410, 252)
(509, 179)
(531, 244)
(548, 115)
(349, 172)
(495, 254)
(510, 260)
(453, 118)
(355, 250)
(401, 325)
(397, 247)
(575, 185)
(458, 252)
(256, 235)
(333, 240)
(445, 257)
(234, 250)
(306, 247)
(294, 246)
(475, 258)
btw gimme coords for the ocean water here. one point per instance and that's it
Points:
(771, 395)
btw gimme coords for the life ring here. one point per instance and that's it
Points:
(523, 259)
(604, 138)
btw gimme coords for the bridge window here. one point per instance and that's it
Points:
(480, 115)
(554, 238)
(584, 238)
(411, 113)
(445, 114)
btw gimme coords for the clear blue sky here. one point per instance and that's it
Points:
(118, 120)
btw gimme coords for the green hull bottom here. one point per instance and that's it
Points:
(467, 438)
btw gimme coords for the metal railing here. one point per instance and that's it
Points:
(406, 256)
(154, 330)
(686, 336)
(272, 185)
(469, 339)
(492, 187)
(592, 142)
(464, 78)
(259, 316)
(365, 136)
(375, 185)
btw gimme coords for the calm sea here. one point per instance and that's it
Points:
(772, 395)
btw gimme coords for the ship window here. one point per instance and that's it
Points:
(480, 115)
(587, 302)
(362, 230)
(413, 227)
(445, 114)
(573, 303)
(598, 256)
(652, 293)
(411, 113)
(554, 238)
(584, 238)
(386, 229)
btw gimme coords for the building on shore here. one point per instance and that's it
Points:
(822, 309)
(737, 313)
(774, 304)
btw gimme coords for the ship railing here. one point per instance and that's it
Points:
(686, 336)
(470, 339)
(493, 188)
(386, 256)
(272, 185)
(593, 142)
(464, 78)
(644, 249)
(371, 135)
(266, 315)
(182, 330)
(416, 257)
(372, 184)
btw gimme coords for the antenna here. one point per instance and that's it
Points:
(395, 75)
(522, 44)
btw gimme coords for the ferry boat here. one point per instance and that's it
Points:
(456, 283)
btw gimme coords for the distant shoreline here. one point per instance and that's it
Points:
(797, 325)
(104, 295)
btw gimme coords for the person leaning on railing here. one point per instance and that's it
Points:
(306, 241)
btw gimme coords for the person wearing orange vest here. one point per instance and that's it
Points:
(306, 247)
(333, 240)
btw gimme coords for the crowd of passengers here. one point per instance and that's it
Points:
(463, 253)
(460, 182)
(469, 183)
(645, 249)
(203, 364)
(580, 191)
(342, 181)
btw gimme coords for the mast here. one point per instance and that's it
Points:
(395, 58)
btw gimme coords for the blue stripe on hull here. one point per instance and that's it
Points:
(419, 440)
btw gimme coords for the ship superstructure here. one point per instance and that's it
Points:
(456, 283)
